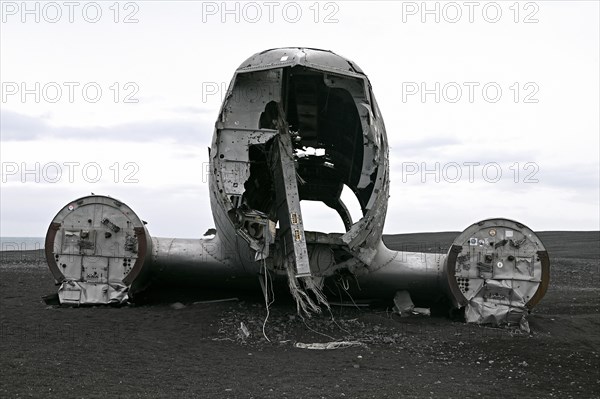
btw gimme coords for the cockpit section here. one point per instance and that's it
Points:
(292, 134)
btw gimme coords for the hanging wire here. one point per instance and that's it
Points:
(267, 283)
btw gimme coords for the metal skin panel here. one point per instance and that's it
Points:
(94, 245)
(280, 103)
(420, 274)
(94, 269)
(234, 159)
(119, 268)
(291, 227)
(498, 270)
(290, 56)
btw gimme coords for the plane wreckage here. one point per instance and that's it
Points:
(99, 251)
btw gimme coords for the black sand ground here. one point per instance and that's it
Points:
(197, 351)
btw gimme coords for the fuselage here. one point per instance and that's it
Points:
(297, 124)
(338, 138)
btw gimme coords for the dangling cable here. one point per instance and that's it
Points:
(268, 303)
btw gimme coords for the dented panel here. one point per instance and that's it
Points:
(498, 267)
(95, 248)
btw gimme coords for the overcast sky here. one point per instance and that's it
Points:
(491, 108)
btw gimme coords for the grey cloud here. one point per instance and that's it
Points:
(14, 126)
(211, 111)
(578, 176)
(18, 127)
(406, 148)
(518, 172)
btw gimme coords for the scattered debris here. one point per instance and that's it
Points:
(216, 301)
(403, 305)
(422, 311)
(524, 324)
(244, 333)
(350, 305)
(328, 345)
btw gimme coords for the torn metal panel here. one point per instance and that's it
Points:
(485, 312)
(364, 237)
(403, 305)
(246, 99)
(234, 159)
(291, 225)
(84, 293)
(497, 302)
